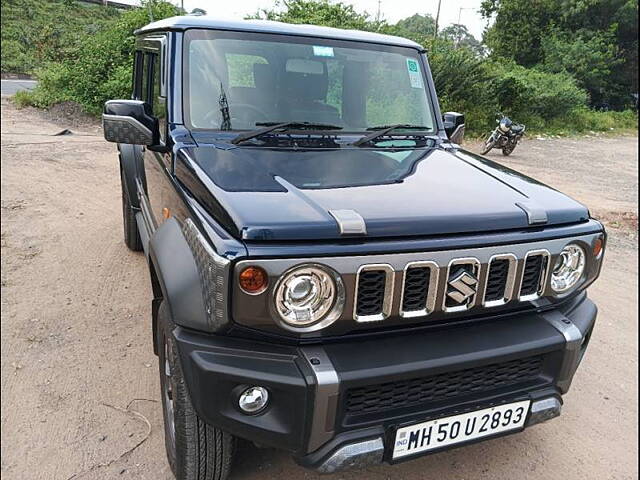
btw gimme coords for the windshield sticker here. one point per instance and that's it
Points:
(322, 51)
(414, 73)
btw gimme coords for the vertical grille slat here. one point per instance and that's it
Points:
(371, 286)
(497, 280)
(416, 289)
(533, 269)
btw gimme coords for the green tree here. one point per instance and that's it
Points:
(591, 58)
(554, 34)
(459, 35)
(422, 25)
(518, 28)
(320, 12)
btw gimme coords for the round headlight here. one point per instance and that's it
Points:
(309, 297)
(568, 268)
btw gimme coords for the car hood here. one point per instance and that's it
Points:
(282, 195)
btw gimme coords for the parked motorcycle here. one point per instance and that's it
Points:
(505, 136)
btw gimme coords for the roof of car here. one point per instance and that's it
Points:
(267, 26)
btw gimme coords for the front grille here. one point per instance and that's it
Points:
(445, 386)
(422, 285)
(416, 289)
(497, 280)
(371, 285)
(531, 277)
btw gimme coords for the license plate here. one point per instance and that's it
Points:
(443, 432)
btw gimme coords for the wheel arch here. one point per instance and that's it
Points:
(175, 279)
(132, 168)
(156, 301)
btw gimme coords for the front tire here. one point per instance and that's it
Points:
(195, 450)
(488, 145)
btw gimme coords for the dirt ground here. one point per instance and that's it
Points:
(79, 379)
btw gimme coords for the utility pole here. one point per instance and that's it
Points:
(378, 13)
(437, 19)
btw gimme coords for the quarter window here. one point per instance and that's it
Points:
(145, 92)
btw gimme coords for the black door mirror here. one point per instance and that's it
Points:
(454, 126)
(131, 122)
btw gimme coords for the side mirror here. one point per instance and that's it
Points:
(131, 122)
(454, 126)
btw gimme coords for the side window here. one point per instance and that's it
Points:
(159, 102)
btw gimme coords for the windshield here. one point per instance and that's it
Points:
(237, 81)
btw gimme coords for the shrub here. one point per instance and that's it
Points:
(461, 80)
(527, 92)
(101, 67)
(33, 33)
(589, 57)
(585, 120)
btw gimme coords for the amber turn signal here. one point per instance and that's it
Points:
(597, 247)
(253, 280)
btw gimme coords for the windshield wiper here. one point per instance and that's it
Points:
(383, 130)
(273, 126)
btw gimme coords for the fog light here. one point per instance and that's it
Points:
(253, 399)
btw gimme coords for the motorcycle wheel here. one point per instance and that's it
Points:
(488, 145)
(508, 148)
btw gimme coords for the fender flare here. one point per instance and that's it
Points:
(176, 275)
(132, 167)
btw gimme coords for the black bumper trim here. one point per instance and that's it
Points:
(215, 366)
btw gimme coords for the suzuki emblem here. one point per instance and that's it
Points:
(463, 287)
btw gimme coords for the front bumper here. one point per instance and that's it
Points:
(335, 405)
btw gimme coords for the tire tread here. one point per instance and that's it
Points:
(202, 452)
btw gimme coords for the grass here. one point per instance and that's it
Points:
(579, 122)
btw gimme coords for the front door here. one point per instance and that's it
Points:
(157, 165)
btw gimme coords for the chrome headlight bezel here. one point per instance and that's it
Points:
(568, 269)
(329, 295)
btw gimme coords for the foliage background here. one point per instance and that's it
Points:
(35, 31)
(545, 69)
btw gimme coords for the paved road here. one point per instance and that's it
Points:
(10, 86)
(78, 369)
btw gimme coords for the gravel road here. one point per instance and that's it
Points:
(79, 379)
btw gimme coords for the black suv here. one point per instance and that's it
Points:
(332, 274)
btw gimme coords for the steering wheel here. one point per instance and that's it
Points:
(243, 113)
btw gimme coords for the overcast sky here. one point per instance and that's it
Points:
(391, 10)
